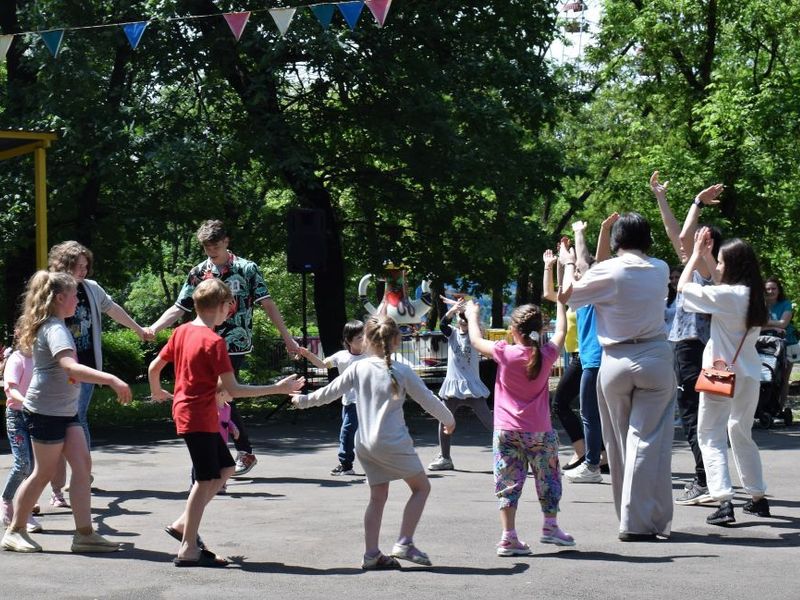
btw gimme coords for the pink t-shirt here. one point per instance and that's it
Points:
(18, 370)
(522, 404)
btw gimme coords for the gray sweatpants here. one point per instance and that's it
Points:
(635, 392)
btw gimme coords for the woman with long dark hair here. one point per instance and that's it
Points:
(738, 311)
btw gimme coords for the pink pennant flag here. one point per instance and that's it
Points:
(5, 44)
(237, 21)
(379, 9)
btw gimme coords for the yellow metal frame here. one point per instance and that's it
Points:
(36, 143)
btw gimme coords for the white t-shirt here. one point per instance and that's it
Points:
(628, 294)
(341, 360)
(727, 305)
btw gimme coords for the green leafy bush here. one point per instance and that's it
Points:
(124, 355)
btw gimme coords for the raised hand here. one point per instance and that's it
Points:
(579, 226)
(565, 253)
(703, 242)
(448, 301)
(549, 258)
(609, 221)
(659, 189)
(472, 309)
(709, 195)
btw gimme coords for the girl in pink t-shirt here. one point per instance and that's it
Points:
(17, 371)
(523, 432)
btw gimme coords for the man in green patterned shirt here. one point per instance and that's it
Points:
(249, 289)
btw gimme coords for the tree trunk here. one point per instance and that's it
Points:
(258, 92)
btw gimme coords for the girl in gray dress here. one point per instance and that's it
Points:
(383, 444)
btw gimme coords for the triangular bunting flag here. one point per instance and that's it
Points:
(379, 9)
(324, 14)
(351, 11)
(5, 44)
(52, 39)
(282, 18)
(236, 21)
(134, 32)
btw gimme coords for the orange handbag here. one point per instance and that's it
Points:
(719, 379)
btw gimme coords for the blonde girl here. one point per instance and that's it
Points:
(51, 410)
(383, 445)
(523, 431)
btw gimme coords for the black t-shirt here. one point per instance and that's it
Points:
(80, 326)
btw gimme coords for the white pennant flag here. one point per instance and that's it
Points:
(282, 17)
(5, 44)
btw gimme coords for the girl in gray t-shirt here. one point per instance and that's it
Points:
(50, 410)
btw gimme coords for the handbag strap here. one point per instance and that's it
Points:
(735, 356)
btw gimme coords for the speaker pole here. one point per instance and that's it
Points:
(305, 331)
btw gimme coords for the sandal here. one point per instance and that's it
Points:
(412, 553)
(379, 563)
(175, 534)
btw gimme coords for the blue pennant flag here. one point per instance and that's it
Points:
(351, 11)
(324, 14)
(52, 39)
(134, 32)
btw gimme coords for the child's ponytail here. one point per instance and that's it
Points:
(380, 331)
(527, 320)
(37, 304)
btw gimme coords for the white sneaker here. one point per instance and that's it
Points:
(584, 474)
(441, 463)
(19, 541)
(33, 526)
(94, 542)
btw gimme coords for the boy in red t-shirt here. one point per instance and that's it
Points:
(201, 360)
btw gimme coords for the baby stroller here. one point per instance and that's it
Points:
(771, 401)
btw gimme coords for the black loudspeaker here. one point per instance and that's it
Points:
(305, 250)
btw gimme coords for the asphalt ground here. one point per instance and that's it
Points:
(294, 531)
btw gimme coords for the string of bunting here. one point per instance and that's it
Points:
(53, 39)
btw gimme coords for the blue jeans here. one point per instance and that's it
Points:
(590, 416)
(21, 449)
(84, 398)
(347, 435)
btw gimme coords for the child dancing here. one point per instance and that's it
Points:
(17, 371)
(523, 432)
(383, 445)
(51, 410)
(201, 358)
(353, 339)
(462, 385)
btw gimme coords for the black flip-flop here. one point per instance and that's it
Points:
(175, 534)
(204, 560)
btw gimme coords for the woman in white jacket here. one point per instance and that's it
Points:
(738, 310)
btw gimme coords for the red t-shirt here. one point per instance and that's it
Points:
(200, 357)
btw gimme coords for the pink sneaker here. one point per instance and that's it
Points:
(513, 547)
(57, 500)
(8, 512)
(557, 537)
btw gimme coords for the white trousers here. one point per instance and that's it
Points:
(718, 420)
(635, 394)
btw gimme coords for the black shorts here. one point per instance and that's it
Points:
(48, 429)
(209, 454)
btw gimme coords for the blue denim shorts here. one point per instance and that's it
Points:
(48, 429)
